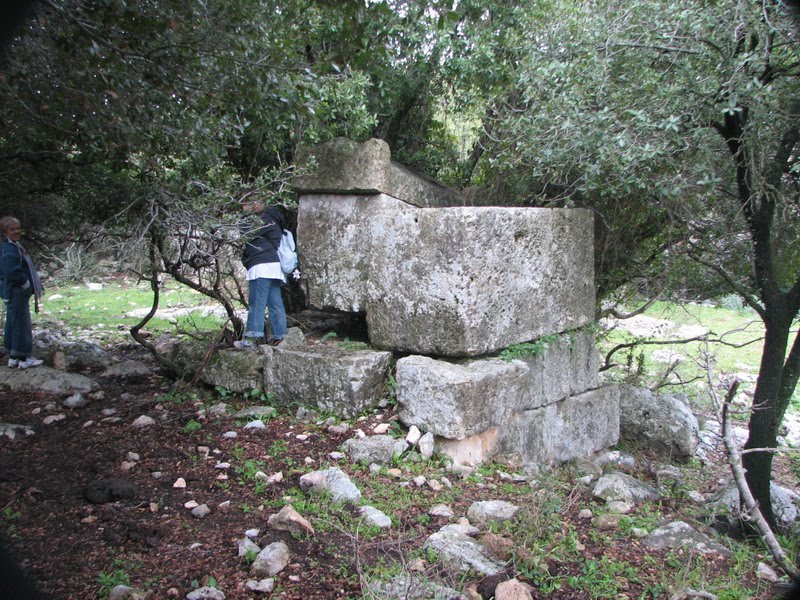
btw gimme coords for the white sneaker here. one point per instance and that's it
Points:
(243, 344)
(13, 362)
(29, 362)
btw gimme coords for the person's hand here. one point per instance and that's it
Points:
(296, 274)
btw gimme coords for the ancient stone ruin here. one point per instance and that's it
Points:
(443, 289)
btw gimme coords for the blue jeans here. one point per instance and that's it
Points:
(265, 293)
(18, 336)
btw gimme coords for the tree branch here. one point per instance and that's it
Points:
(753, 512)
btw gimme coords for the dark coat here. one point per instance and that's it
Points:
(262, 241)
(14, 270)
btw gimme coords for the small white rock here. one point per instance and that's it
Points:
(413, 435)
(381, 428)
(180, 483)
(143, 421)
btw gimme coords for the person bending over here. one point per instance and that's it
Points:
(264, 276)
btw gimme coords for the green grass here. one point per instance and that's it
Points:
(739, 352)
(108, 310)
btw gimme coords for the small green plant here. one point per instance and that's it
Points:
(277, 449)
(248, 470)
(177, 397)
(192, 426)
(250, 556)
(222, 393)
(329, 335)
(108, 581)
(347, 344)
(527, 349)
(9, 516)
(259, 396)
(237, 452)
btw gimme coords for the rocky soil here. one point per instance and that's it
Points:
(177, 454)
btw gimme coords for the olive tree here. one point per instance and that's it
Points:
(681, 133)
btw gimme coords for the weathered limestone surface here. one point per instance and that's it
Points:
(345, 167)
(450, 281)
(571, 428)
(662, 422)
(235, 370)
(568, 365)
(472, 450)
(336, 380)
(335, 239)
(456, 401)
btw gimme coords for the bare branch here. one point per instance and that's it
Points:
(749, 503)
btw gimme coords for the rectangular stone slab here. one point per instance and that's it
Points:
(462, 281)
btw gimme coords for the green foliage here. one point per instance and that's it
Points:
(526, 349)
(192, 426)
(120, 575)
(347, 344)
(108, 581)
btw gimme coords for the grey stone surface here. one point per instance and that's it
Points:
(784, 503)
(128, 368)
(619, 487)
(678, 534)
(45, 379)
(567, 365)
(330, 378)
(430, 281)
(271, 560)
(408, 587)
(462, 552)
(235, 370)
(483, 512)
(457, 400)
(573, 427)
(334, 481)
(661, 422)
(342, 166)
(379, 449)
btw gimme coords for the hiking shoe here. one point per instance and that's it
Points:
(244, 344)
(29, 362)
(275, 341)
(13, 362)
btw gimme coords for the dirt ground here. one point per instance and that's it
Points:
(72, 547)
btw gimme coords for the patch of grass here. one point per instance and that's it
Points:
(740, 328)
(119, 575)
(353, 345)
(527, 349)
(110, 310)
(192, 426)
(9, 516)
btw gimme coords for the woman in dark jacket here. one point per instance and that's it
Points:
(18, 282)
(264, 276)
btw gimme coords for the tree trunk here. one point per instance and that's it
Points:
(769, 405)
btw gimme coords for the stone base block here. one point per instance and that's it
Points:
(474, 450)
(574, 427)
(458, 400)
(343, 382)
